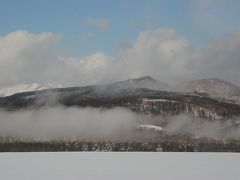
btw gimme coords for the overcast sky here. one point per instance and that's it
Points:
(90, 42)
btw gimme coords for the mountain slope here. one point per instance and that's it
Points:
(140, 100)
(142, 82)
(25, 88)
(216, 88)
(110, 89)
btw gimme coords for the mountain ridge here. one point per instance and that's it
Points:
(216, 88)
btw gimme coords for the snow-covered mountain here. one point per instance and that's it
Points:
(142, 82)
(25, 88)
(162, 115)
(116, 87)
(215, 88)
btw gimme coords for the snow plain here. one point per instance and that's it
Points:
(119, 166)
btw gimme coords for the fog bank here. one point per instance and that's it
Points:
(116, 124)
(186, 124)
(60, 123)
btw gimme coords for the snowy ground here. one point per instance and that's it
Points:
(119, 166)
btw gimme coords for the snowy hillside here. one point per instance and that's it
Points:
(142, 82)
(216, 88)
(25, 88)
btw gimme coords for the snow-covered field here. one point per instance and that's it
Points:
(119, 166)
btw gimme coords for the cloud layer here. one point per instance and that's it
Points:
(116, 124)
(161, 53)
(58, 123)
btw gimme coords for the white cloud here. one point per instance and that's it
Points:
(92, 69)
(161, 53)
(167, 56)
(101, 23)
(28, 58)
(24, 56)
(221, 58)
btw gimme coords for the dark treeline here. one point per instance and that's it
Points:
(173, 145)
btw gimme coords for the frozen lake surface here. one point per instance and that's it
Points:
(119, 166)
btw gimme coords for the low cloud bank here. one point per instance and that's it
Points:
(117, 124)
(186, 124)
(74, 123)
